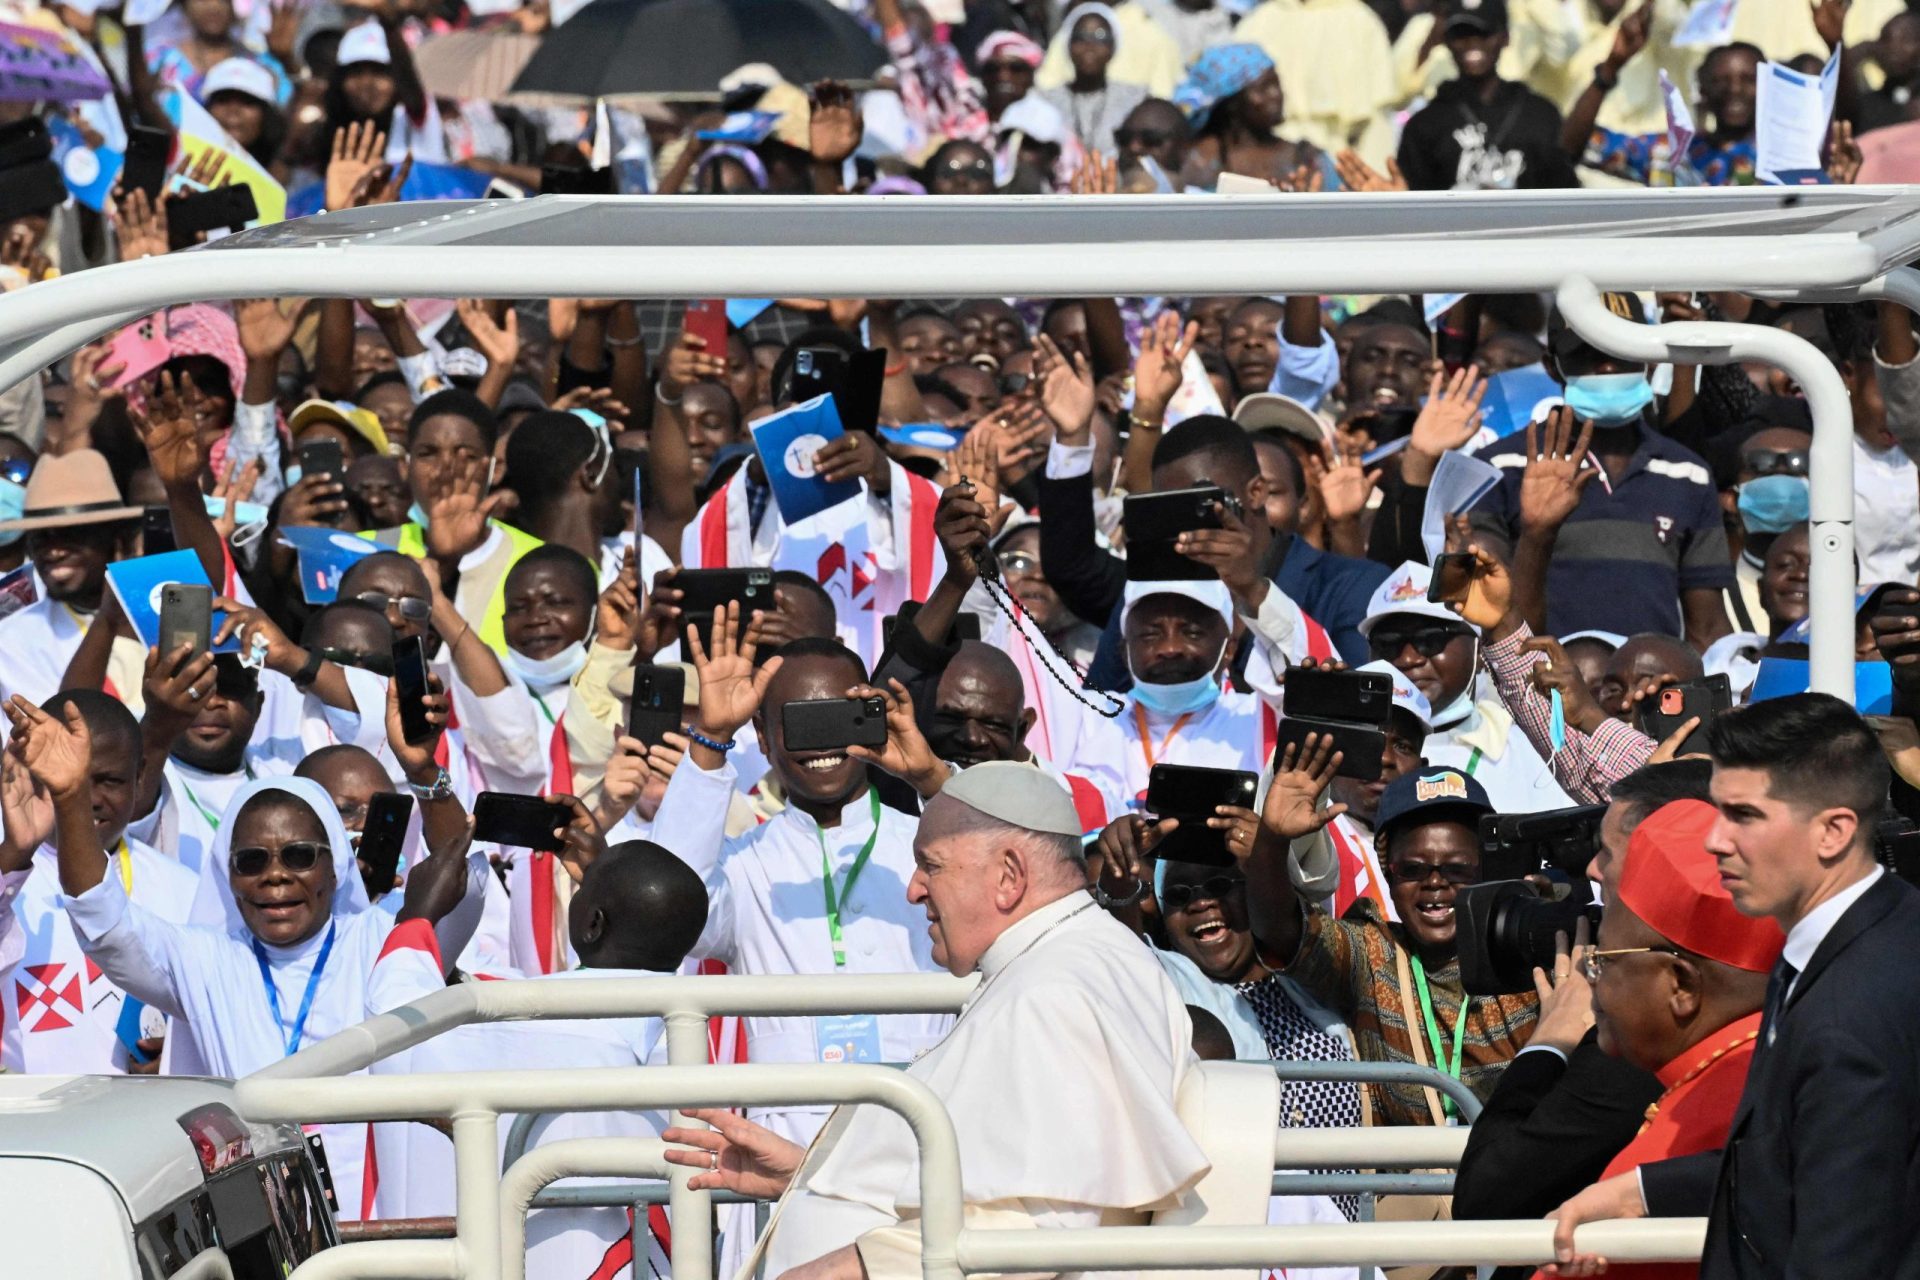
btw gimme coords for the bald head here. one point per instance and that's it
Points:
(1647, 656)
(351, 775)
(980, 710)
(638, 907)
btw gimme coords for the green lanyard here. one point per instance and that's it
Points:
(1473, 762)
(846, 887)
(541, 703)
(1433, 1030)
(213, 819)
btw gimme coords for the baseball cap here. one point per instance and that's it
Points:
(362, 422)
(364, 43)
(1267, 411)
(1212, 593)
(239, 75)
(1405, 591)
(1477, 17)
(1562, 341)
(1405, 695)
(1431, 795)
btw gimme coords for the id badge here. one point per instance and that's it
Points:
(851, 1037)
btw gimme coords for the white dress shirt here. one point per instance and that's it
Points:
(1804, 939)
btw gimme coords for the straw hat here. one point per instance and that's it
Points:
(71, 489)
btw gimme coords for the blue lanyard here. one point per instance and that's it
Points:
(306, 1001)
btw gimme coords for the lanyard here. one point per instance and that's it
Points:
(306, 1001)
(1473, 761)
(213, 819)
(126, 865)
(853, 874)
(1140, 719)
(1433, 1029)
(541, 703)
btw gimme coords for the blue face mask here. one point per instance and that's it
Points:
(244, 514)
(417, 514)
(1609, 399)
(1773, 504)
(13, 505)
(1179, 698)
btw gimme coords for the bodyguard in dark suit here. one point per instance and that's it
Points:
(1821, 1175)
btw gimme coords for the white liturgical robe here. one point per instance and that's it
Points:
(1060, 1076)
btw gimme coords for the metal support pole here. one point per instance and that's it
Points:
(476, 1147)
(692, 1211)
(1831, 574)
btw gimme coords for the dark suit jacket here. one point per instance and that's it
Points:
(1549, 1130)
(1821, 1175)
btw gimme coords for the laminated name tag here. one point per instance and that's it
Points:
(853, 1037)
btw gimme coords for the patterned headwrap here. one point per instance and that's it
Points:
(1218, 74)
(199, 329)
(1013, 45)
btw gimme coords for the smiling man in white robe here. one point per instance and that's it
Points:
(1060, 1074)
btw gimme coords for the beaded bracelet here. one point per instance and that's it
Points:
(694, 735)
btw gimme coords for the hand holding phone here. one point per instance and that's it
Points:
(382, 837)
(410, 690)
(658, 706)
(706, 319)
(519, 821)
(186, 618)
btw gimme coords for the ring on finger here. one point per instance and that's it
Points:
(716, 1159)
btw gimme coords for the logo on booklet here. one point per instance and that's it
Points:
(799, 455)
(1441, 786)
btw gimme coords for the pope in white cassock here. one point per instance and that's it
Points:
(1074, 1041)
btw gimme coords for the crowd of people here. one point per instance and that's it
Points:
(520, 487)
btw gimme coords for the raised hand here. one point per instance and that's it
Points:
(357, 150)
(906, 754)
(1489, 599)
(1447, 421)
(1066, 390)
(459, 509)
(316, 499)
(1556, 476)
(960, 523)
(1157, 372)
(1357, 175)
(171, 430)
(1301, 774)
(659, 616)
(19, 251)
(688, 361)
(1559, 674)
(1843, 154)
(141, 223)
(730, 689)
(1830, 20)
(416, 759)
(498, 342)
(1631, 38)
(27, 811)
(617, 615)
(265, 329)
(252, 627)
(175, 684)
(1346, 484)
(59, 753)
(834, 125)
(735, 1155)
(235, 487)
(1097, 175)
(437, 883)
(1229, 552)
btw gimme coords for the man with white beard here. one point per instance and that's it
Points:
(1075, 1039)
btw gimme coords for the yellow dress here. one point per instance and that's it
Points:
(1332, 102)
(1784, 28)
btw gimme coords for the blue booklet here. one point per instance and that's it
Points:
(749, 127)
(324, 556)
(136, 585)
(787, 442)
(1512, 398)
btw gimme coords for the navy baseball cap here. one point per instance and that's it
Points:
(1431, 795)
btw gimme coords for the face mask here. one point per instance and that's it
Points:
(1178, 698)
(1609, 399)
(546, 673)
(417, 514)
(1773, 504)
(244, 514)
(13, 505)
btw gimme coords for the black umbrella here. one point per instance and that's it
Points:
(615, 47)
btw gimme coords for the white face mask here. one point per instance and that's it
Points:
(548, 673)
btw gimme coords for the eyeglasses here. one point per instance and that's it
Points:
(1177, 896)
(412, 608)
(1775, 462)
(1426, 641)
(1454, 873)
(300, 855)
(1020, 562)
(1596, 962)
(1147, 138)
(16, 470)
(979, 167)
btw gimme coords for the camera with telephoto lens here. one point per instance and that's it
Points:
(1503, 928)
(1896, 843)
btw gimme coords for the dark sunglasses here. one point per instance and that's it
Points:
(301, 855)
(379, 664)
(1148, 138)
(1102, 36)
(1776, 462)
(978, 167)
(1177, 896)
(412, 608)
(1426, 641)
(16, 470)
(1454, 873)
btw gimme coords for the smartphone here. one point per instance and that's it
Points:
(709, 590)
(410, 678)
(1452, 578)
(382, 839)
(965, 626)
(219, 208)
(640, 517)
(659, 703)
(1390, 422)
(1674, 705)
(186, 617)
(1360, 745)
(1191, 793)
(827, 724)
(145, 166)
(1365, 697)
(816, 372)
(156, 531)
(575, 180)
(523, 822)
(138, 349)
(322, 457)
(1154, 520)
(707, 320)
(857, 398)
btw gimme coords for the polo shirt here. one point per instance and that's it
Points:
(1630, 548)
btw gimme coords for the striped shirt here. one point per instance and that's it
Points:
(1589, 764)
(1631, 547)
(1349, 965)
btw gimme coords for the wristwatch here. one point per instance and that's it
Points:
(441, 789)
(1106, 899)
(1605, 77)
(309, 671)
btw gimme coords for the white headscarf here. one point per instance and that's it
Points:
(214, 904)
(1093, 8)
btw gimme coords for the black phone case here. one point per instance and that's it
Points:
(659, 703)
(1365, 697)
(384, 835)
(517, 821)
(228, 207)
(1359, 744)
(857, 398)
(1154, 520)
(145, 165)
(410, 674)
(1706, 697)
(1191, 792)
(186, 617)
(1452, 578)
(828, 724)
(705, 591)
(322, 457)
(156, 532)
